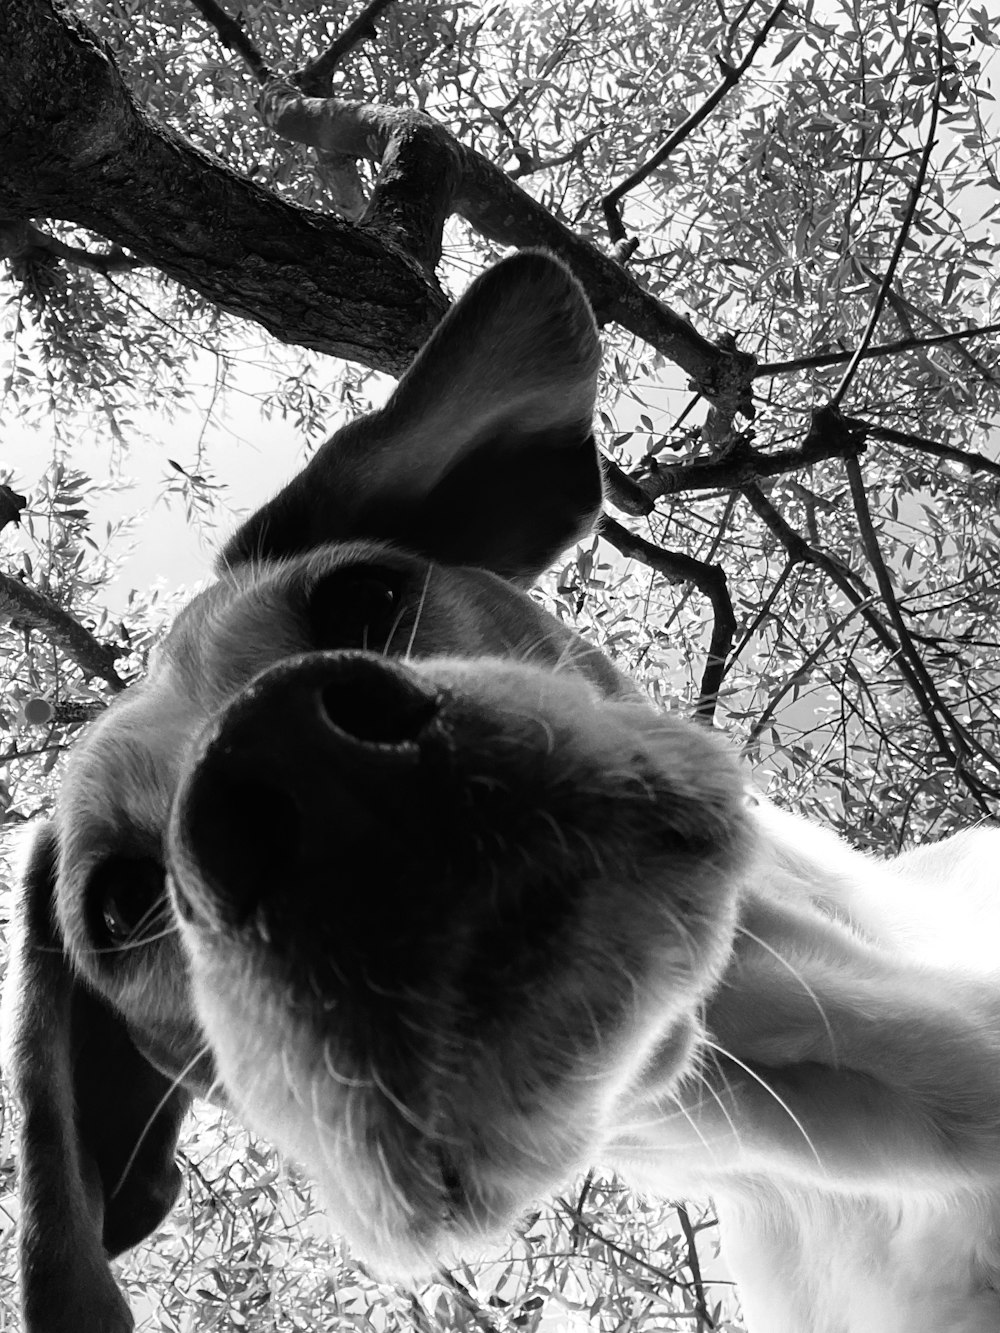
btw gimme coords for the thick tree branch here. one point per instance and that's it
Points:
(74, 145)
(623, 492)
(730, 78)
(25, 608)
(678, 568)
(408, 145)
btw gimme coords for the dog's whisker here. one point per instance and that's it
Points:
(743, 930)
(418, 614)
(176, 1083)
(779, 1100)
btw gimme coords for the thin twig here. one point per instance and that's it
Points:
(768, 368)
(975, 462)
(672, 1281)
(963, 738)
(678, 568)
(801, 672)
(731, 75)
(801, 551)
(705, 1320)
(762, 614)
(915, 192)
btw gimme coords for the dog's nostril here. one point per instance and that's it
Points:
(291, 787)
(377, 704)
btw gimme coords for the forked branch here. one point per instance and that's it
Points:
(800, 551)
(425, 174)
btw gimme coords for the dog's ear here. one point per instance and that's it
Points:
(484, 455)
(98, 1127)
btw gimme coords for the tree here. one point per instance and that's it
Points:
(803, 465)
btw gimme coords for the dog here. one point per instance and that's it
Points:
(385, 859)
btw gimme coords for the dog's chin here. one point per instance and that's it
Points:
(442, 1179)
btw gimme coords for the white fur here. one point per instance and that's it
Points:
(866, 1200)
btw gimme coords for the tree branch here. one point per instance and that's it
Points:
(904, 230)
(769, 368)
(80, 149)
(801, 673)
(730, 77)
(964, 740)
(408, 144)
(975, 462)
(233, 35)
(314, 78)
(27, 609)
(799, 550)
(705, 1320)
(21, 242)
(678, 568)
(830, 436)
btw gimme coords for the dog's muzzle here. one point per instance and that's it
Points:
(432, 911)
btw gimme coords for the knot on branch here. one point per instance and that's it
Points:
(832, 433)
(728, 387)
(11, 505)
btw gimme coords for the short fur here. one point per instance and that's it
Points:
(384, 858)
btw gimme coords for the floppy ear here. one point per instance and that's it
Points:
(98, 1125)
(484, 455)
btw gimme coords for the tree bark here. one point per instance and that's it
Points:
(74, 145)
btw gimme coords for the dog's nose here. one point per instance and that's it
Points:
(319, 749)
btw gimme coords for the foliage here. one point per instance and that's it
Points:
(772, 224)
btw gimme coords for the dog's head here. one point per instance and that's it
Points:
(380, 853)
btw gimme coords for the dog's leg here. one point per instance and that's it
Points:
(850, 1068)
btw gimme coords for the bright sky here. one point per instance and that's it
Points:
(250, 457)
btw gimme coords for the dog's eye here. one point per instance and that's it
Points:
(127, 899)
(355, 607)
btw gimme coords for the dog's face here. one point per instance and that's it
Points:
(379, 853)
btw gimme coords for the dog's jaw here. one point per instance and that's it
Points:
(446, 1038)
